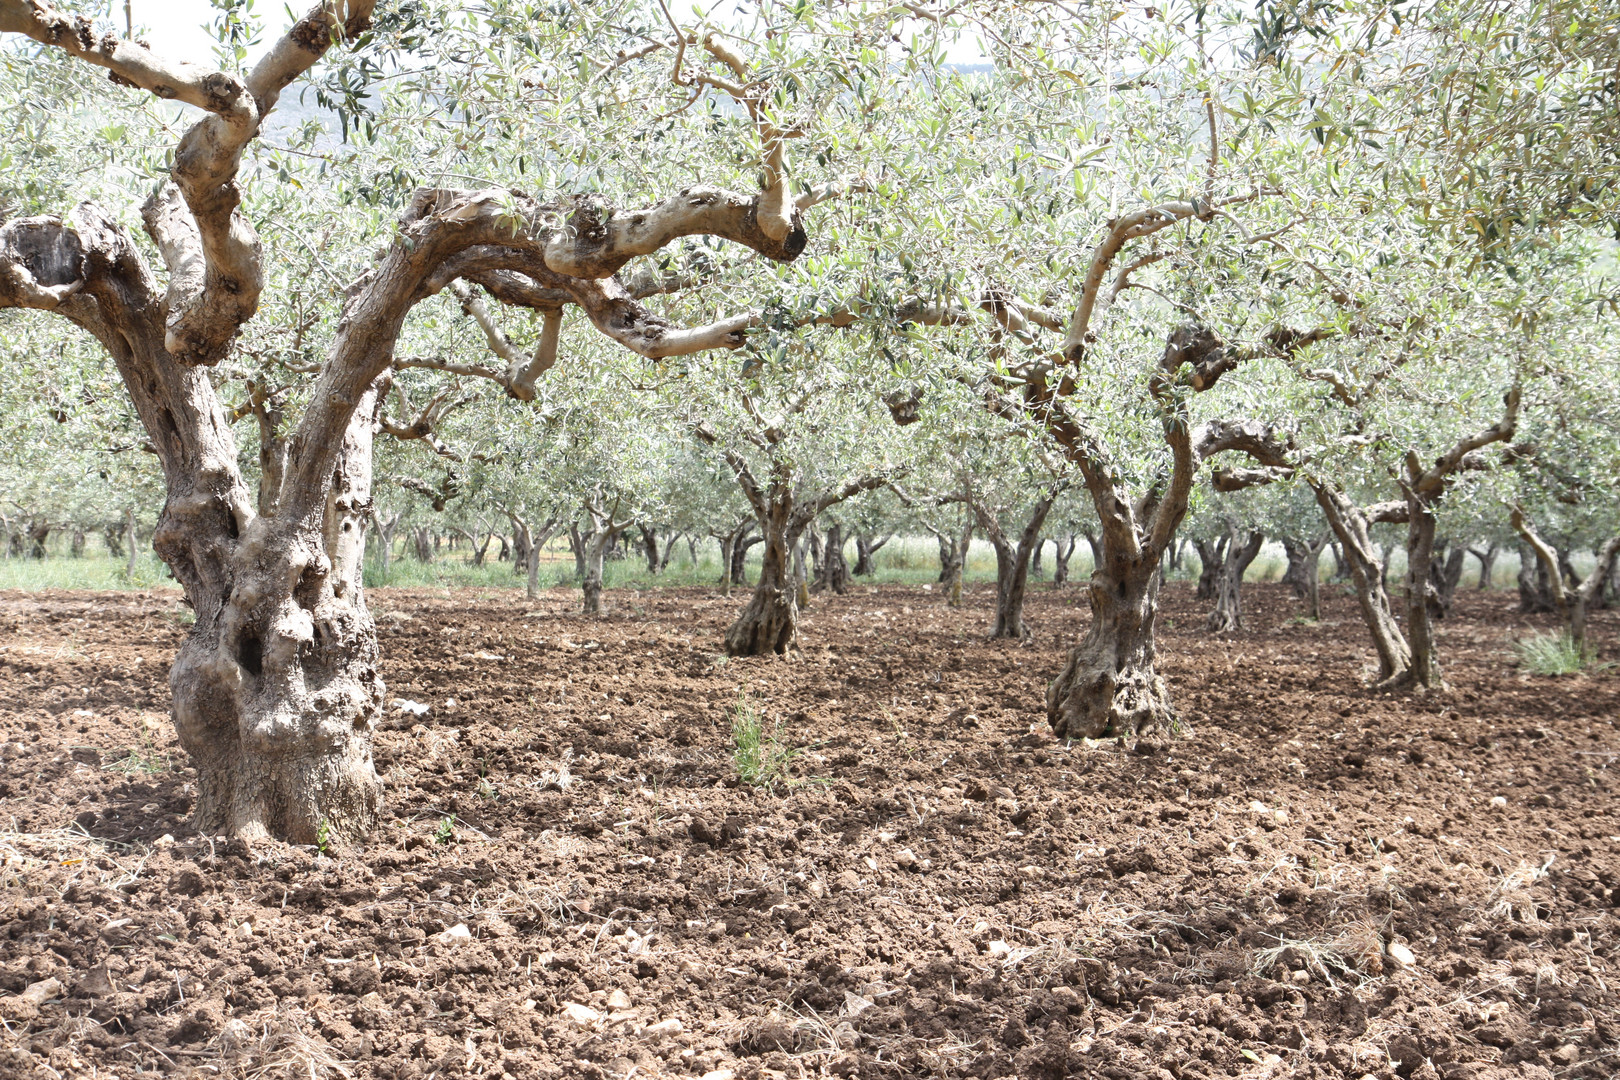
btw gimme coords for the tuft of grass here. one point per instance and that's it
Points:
(145, 759)
(1549, 654)
(760, 756)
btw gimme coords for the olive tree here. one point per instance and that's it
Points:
(276, 687)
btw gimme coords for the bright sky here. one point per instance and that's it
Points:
(178, 28)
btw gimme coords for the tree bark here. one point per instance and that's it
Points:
(39, 534)
(801, 575)
(1313, 566)
(422, 538)
(134, 543)
(112, 534)
(576, 544)
(1420, 595)
(76, 544)
(1487, 564)
(1012, 564)
(1445, 573)
(1228, 613)
(739, 556)
(865, 548)
(1298, 553)
(593, 547)
(276, 690)
(834, 572)
(769, 624)
(1035, 569)
(1060, 559)
(1351, 525)
(1211, 558)
(1573, 601)
(953, 553)
(1109, 685)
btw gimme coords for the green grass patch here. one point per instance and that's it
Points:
(760, 756)
(1549, 654)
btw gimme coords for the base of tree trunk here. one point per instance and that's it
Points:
(767, 626)
(591, 590)
(1092, 697)
(289, 759)
(1109, 685)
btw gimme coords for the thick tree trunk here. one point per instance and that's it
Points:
(594, 548)
(770, 622)
(1012, 567)
(1211, 558)
(1109, 685)
(1341, 568)
(1535, 585)
(1572, 598)
(423, 540)
(865, 548)
(134, 544)
(1299, 554)
(1035, 568)
(39, 534)
(1228, 613)
(1367, 572)
(801, 575)
(834, 571)
(275, 688)
(1313, 566)
(112, 534)
(576, 544)
(739, 556)
(76, 544)
(651, 549)
(953, 553)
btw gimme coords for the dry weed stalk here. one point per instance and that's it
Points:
(282, 1048)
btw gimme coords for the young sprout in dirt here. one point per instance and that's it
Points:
(446, 832)
(760, 756)
(323, 836)
(145, 758)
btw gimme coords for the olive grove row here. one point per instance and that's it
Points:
(600, 267)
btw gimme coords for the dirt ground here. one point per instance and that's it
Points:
(1306, 881)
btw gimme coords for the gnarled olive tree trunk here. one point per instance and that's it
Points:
(1228, 613)
(770, 622)
(1445, 574)
(1573, 600)
(1304, 569)
(833, 573)
(953, 553)
(1109, 684)
(1487, 564)
(1013, 561)
(865, 548)
(1062, 552)
(1211, 560)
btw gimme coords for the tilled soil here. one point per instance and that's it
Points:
(1306, 881)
